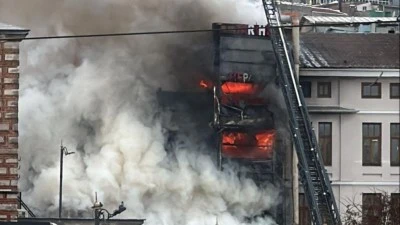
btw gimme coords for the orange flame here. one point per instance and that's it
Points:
(265, 139)
(204, 84)
(247, 146)
(239, 88)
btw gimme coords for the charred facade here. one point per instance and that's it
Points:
(233, 112)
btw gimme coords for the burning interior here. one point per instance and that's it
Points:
(235, 101)
(252, 146)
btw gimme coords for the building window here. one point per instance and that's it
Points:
(371, 208)
(306, 88)
(364, 8)
(325, 142)
(324, 89)
(394, 144)
(304, 211)
(371, 90)
(395, 90)
(371, 144)
(395, 208)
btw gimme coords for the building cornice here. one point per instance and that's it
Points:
(350, 72)
(378, 112)
(365, 183)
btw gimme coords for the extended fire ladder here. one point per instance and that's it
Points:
(315, 180)
(25, 206)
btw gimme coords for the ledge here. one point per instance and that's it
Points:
(10, 31)
(330, 109)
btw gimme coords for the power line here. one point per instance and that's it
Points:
(186, 31)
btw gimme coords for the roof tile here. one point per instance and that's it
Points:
(321, 50)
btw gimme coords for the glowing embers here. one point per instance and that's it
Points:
(254, 146)
(205, 84)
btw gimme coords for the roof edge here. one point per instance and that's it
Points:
(325, 109)
(346, 72)
(14, 34)
(11, 31)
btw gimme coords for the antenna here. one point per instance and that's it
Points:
(96, 205)
(65, 150)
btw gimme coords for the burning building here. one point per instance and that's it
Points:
(233, 111)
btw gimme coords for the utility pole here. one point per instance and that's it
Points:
(63, 150)
(295, 161)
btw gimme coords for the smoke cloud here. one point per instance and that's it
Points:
(98, 96)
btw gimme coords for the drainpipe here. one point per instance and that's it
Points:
(295, 171)
(296, 45)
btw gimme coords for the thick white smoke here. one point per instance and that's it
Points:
(98, 96)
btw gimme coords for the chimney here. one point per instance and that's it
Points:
(9, 74)
(352, 10)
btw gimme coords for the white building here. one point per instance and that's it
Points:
(364, 7)
(351, 84)
(371, 25)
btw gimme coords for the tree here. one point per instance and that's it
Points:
(377, 208)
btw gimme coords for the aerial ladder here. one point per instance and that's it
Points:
(25, 206)
(313, 175)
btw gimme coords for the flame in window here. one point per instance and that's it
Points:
(248, 146)
(239, 88)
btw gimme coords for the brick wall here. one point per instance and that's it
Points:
(9, 73)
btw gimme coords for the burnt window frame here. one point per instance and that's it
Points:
(303, 86)
(394, 137)
(371, 139)
(319, 88)
(369, 84)
(325, 140)
(374, 207)
(391, 93)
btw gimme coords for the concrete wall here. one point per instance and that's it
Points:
(314, 100)
(346, 92)
(247, 54)
(351, 157)
(349, 177)
(350, 95)
(360, 8)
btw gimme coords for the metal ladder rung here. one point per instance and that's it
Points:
(314, 181)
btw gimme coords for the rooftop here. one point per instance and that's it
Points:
(345, 19)
(7, 30)
(349, 50)
(76, 221)
(4, 26)
(305, 9)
